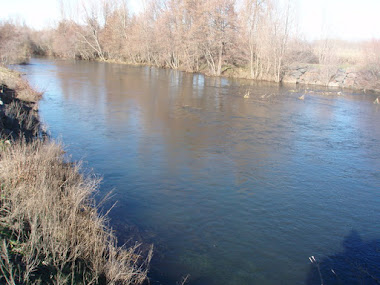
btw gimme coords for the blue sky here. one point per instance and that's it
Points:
(345, 19)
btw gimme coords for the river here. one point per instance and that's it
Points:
(229, 190)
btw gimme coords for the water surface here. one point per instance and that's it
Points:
(229, 190)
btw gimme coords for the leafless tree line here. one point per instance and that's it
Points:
(211, 36)
(247, 38)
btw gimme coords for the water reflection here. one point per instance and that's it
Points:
(230, 190)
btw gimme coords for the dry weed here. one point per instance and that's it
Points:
(52, 225)
(13, 80)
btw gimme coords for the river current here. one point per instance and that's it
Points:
(229, 190)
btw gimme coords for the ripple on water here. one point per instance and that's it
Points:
(230, 190)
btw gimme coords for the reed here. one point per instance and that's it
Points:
(51, 230)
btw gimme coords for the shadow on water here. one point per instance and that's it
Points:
(359, 263)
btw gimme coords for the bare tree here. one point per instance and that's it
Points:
(14, 42)
(90, 33)
(114, 36)
(249, 21)
(191, 35)
(281, 37)
(218, 20)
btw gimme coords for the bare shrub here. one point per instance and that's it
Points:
(52, 225)
(14, 43)
(301, 51)
(371, 56)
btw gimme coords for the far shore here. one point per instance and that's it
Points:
(299, 77)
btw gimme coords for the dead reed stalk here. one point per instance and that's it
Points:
(51, 230)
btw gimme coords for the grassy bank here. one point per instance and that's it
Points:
(50, 228)
(18, 107)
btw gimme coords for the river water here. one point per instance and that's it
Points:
(229, 190)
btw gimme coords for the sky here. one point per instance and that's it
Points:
(352, 20)
(344, 19)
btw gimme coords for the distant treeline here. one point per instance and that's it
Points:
(255, 39)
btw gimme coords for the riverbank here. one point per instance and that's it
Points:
(333, 76)
(303, 75)
(18, 107)
(50, 228)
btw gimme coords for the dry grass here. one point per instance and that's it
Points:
(20, 120)
(50, 228)
(13, 80)
(18, 110)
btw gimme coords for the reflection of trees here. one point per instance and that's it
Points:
(82, 81)
(177, 116)
(359, 263)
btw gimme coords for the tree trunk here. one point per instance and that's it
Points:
(220, 59)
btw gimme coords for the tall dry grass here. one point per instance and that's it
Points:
(18, 108)
(20, 121)
(21, 88)
(51, 231)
